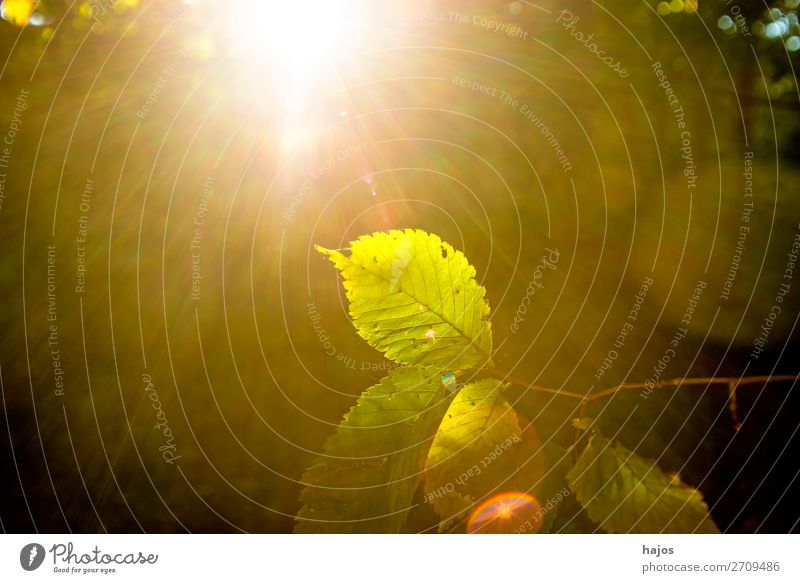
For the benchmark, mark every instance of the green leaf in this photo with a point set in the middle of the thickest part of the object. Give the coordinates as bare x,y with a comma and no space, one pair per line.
465,462
415,298
373,463
624,493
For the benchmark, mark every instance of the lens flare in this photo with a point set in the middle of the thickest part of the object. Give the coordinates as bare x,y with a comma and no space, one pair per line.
506,513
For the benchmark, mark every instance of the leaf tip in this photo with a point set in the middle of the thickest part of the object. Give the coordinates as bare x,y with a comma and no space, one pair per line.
333,254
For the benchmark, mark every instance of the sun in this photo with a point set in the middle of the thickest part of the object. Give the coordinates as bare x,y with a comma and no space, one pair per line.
296,36
299,47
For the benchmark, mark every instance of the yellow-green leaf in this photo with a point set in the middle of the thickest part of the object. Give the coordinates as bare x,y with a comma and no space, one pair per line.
365,481
624,493
415,298
464,462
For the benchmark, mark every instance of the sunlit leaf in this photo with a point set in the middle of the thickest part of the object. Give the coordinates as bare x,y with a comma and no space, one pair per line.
373,463
624,493
415,298
17,11
466,460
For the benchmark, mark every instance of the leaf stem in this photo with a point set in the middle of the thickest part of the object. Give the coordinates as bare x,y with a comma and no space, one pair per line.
504,376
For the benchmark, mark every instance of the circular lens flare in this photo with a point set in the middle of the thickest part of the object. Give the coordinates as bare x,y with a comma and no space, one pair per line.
506,513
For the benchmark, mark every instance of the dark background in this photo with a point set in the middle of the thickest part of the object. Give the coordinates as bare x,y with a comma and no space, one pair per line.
247,386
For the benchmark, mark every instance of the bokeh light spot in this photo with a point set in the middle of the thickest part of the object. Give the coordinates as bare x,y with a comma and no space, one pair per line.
773,30
506,513
725,22
16,11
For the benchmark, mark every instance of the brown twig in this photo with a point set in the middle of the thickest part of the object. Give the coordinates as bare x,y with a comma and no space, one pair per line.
733,406
732,383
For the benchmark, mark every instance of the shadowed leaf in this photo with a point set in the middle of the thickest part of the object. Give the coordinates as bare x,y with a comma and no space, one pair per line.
624,493
373,463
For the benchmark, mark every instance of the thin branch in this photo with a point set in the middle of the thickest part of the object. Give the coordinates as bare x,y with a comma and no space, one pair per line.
732,382
733,406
